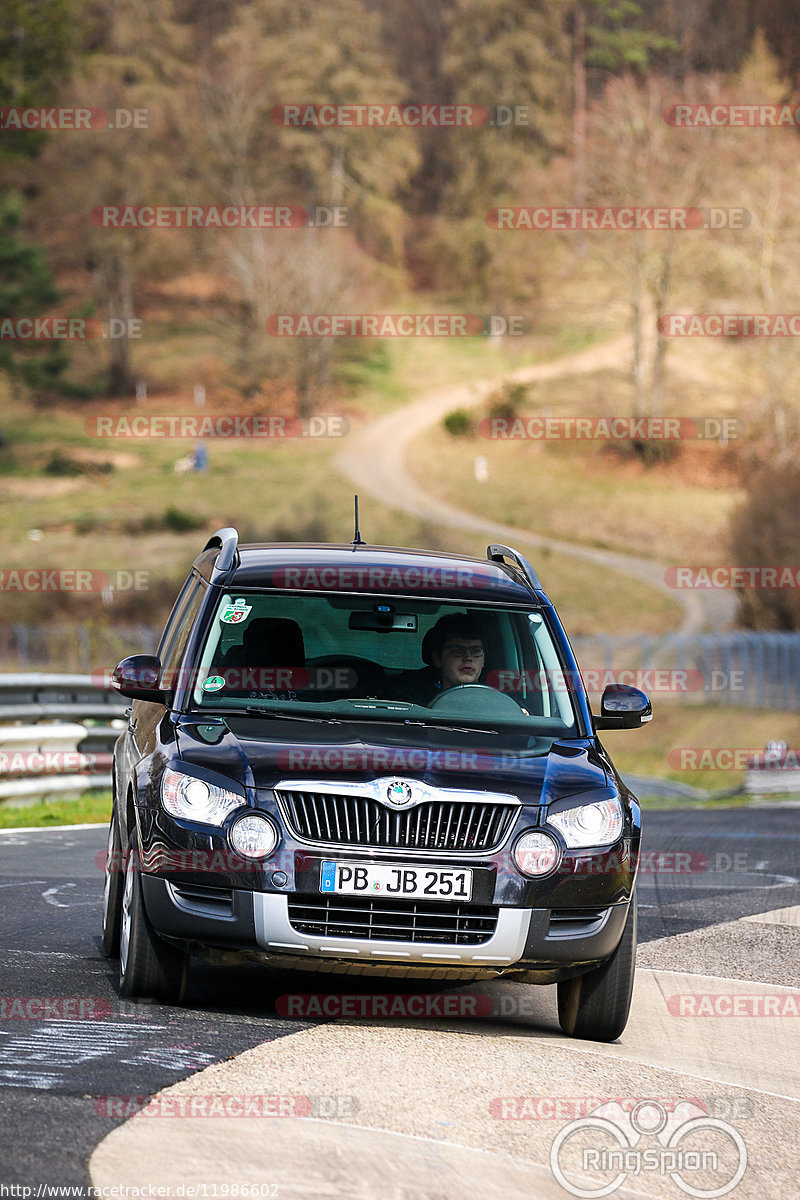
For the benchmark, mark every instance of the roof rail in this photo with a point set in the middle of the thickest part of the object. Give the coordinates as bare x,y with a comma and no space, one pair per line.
228,541
498,553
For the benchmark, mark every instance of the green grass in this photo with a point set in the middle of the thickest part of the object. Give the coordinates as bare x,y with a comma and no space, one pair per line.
89,809
589,491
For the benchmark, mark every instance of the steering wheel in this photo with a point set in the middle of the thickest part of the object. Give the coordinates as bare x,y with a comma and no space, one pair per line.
471,700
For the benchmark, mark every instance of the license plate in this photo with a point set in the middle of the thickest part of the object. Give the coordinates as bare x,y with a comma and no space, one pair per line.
383,879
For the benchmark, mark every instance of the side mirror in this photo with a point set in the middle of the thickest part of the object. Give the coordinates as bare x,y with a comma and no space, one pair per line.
138,677
623,707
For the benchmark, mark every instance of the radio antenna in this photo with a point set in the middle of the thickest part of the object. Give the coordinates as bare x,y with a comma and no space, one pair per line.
357,540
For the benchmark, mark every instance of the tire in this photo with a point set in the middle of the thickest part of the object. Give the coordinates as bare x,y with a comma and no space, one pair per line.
113,885
596,1005
148,966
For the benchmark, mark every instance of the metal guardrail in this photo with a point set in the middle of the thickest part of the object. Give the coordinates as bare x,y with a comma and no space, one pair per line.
743,668
56,750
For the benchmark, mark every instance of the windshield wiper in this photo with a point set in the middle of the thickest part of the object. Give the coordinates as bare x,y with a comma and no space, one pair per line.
426,724
252,710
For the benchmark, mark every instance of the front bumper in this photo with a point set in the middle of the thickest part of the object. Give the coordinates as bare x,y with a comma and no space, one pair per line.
537,944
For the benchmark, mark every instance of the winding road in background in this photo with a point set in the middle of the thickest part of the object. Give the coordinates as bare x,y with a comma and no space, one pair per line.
374,460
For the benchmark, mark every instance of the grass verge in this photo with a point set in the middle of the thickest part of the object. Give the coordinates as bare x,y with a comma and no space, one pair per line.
92,808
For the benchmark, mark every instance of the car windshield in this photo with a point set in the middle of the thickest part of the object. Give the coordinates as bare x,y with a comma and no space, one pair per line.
372,659
369,658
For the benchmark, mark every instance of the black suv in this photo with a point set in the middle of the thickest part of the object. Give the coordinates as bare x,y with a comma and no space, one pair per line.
368,760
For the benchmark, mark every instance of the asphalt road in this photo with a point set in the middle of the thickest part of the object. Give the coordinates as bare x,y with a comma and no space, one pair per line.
702,871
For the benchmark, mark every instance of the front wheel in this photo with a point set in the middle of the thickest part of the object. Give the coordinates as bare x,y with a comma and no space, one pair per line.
148,966
112,890
596,1005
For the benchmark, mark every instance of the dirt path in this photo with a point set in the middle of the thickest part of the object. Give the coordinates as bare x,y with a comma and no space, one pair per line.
374,461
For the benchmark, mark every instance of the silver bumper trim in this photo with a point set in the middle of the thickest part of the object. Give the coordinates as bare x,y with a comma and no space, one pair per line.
274,932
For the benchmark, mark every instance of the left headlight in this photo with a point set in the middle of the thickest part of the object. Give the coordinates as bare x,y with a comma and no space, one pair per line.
196,800
598,824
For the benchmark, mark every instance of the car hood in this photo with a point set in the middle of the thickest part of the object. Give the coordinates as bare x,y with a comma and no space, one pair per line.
259,753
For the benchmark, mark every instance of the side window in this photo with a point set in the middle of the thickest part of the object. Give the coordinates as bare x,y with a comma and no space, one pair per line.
168,636
180,626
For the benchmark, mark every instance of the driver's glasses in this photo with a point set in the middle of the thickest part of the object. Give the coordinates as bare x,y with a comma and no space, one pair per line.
465,651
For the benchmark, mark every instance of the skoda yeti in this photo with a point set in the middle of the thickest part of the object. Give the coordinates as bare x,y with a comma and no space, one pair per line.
374,761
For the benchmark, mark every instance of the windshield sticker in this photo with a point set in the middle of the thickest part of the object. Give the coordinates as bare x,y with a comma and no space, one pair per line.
213,683
234,614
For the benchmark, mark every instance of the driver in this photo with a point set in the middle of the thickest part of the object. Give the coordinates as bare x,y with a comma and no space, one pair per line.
454,653
457,650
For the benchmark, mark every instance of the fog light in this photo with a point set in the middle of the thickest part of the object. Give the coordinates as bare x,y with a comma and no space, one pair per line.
536,853
254,836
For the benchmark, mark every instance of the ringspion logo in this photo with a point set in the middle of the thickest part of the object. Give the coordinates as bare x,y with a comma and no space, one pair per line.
593,1155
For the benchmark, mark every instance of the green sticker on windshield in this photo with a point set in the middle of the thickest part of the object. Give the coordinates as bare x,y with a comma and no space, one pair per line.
234,614
213,683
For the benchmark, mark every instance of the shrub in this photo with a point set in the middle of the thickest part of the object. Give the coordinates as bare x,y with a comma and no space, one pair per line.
179,521
765,532
505,403
458,423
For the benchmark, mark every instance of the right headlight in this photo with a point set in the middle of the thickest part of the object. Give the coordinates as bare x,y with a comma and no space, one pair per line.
585,825
194,799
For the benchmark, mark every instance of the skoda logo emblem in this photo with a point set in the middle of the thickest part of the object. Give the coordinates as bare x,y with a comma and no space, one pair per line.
399,794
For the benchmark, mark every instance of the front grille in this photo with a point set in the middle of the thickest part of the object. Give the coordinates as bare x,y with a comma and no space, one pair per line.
216,902
393,920
572,922
345,820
